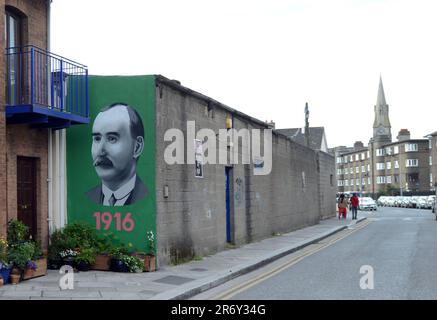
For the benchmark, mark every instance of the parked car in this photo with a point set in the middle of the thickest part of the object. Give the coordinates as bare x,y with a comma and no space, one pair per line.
422,202
382,200
367,203
431,202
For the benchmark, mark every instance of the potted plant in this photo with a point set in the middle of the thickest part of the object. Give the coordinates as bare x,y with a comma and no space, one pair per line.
150,258
117,264
30,269
5,267
20,254
15,276
85,258
134,264
68,257
103,256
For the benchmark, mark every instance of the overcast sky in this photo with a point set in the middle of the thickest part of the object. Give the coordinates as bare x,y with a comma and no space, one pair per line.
267,58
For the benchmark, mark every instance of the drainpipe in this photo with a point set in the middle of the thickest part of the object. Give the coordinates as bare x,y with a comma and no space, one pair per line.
62,179
50,142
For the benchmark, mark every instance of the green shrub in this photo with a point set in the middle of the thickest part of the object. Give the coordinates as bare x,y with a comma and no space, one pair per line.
87,255
133,263
21,254
17,232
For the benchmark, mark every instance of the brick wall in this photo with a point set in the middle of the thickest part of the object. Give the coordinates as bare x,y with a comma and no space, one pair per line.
21,140
192,220
3,191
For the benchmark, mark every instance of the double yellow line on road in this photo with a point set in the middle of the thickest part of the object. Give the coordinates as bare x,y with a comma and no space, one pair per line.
301,254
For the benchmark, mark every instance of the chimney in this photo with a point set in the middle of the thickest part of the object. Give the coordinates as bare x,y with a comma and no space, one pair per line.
358,145
404,135
271,124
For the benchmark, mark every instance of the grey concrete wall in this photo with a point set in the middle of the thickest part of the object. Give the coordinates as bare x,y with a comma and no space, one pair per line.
327,184
192,220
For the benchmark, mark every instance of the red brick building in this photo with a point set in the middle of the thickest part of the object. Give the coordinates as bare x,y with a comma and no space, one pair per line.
36,108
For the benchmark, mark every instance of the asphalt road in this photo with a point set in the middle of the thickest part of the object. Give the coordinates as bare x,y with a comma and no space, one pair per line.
399,244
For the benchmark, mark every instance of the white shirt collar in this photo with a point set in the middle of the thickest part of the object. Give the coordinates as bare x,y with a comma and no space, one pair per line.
121,194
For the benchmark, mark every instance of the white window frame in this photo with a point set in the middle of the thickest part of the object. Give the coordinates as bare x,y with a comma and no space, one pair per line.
395,149
380,166
388,165
396,164
380,152
410,163
411,147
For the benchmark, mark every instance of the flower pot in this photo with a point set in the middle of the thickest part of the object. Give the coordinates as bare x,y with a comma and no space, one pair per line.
83,266
28,273
68,261
149,263
102,263
4,273
118,266
15,278
1,282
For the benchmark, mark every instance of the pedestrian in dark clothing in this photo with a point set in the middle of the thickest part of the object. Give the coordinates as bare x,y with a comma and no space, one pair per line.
355,202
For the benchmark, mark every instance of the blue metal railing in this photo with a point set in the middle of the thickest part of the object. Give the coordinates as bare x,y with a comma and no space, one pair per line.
35,76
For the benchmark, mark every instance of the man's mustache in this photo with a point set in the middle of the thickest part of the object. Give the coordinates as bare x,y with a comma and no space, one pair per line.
102,161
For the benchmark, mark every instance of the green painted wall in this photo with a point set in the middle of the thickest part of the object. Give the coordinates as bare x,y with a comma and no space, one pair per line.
139,93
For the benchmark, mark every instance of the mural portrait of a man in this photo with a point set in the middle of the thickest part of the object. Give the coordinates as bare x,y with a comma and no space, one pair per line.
117,144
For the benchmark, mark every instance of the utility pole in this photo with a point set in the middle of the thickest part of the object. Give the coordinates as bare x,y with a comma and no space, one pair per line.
307,125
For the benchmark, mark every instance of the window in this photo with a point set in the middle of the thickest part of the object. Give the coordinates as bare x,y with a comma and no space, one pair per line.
352,182
380,152
411,147
358,182
369,181
351,170
380,166
368,154
388,179
430,160
339,172
363,169
388,150
430,143
368,168
388,165
346,183
351,159
357,157
340,183
363,156
412,163
396,164
338,160
430,178
363,181
395,149
380,180
357,169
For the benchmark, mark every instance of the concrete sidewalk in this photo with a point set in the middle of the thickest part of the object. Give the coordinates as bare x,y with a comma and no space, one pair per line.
174,282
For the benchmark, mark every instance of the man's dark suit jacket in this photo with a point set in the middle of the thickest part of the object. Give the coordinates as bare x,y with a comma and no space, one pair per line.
138,193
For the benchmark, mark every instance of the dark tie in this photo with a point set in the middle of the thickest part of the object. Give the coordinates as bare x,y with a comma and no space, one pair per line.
112,200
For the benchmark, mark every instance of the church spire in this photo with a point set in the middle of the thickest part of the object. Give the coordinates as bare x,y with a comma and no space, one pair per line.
380,101
381,125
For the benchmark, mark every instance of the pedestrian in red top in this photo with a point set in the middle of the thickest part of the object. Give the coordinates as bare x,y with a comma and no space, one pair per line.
355,202
342,207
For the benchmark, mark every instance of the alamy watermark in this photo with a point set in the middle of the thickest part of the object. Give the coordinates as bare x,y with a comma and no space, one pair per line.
367,281
252,141
67,280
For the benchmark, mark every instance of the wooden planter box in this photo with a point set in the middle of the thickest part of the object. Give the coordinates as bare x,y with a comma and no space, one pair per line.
149,263
40,271
102,263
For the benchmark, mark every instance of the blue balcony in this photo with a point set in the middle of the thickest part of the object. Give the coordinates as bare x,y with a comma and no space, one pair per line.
45,90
